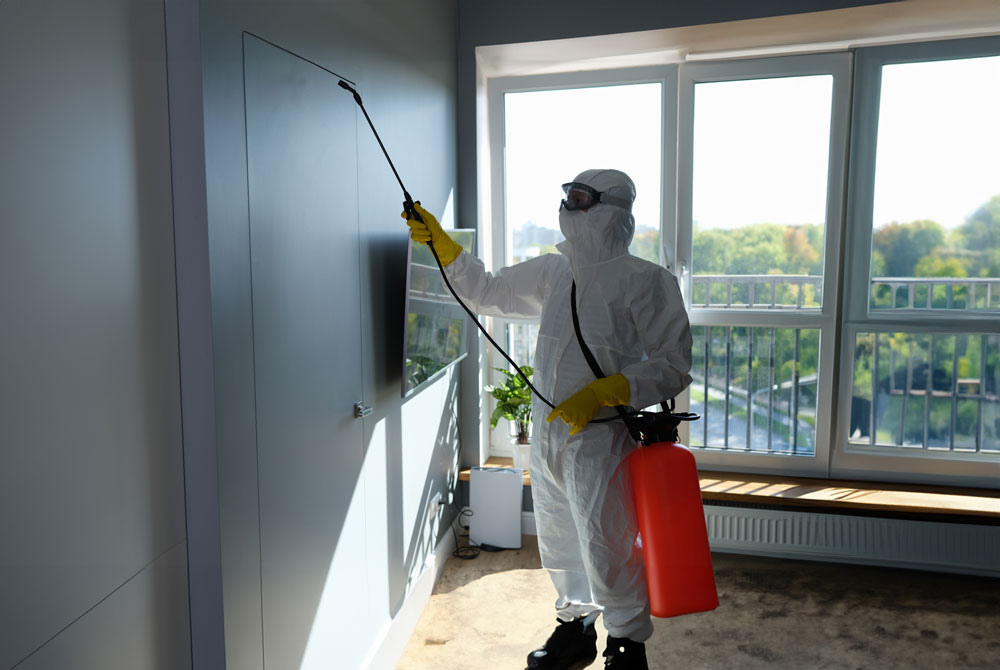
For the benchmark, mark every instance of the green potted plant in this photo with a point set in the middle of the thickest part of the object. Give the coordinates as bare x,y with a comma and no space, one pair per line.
514,404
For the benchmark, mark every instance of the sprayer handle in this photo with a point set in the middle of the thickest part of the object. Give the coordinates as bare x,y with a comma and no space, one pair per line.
411,211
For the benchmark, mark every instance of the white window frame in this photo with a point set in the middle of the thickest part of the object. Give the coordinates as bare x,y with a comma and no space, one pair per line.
852,460
496,89
823,319
844,312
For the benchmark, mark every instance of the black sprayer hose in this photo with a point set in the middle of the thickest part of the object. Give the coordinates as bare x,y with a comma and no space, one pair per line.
622,413
475,320
411,212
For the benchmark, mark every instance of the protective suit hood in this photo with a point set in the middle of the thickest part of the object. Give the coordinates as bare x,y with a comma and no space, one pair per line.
604,231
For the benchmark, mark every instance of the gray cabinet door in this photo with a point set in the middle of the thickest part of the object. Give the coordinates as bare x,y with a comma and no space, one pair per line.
304,242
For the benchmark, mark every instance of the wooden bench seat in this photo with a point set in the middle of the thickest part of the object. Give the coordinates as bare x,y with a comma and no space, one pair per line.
940,503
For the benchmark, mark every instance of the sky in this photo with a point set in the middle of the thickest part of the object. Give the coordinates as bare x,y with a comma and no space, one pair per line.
762,146
552,136
939,140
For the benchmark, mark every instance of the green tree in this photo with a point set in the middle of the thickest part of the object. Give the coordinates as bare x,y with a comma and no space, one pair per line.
646,245
980,235
713,251
878,263
760,249
902,245
803,247
938,264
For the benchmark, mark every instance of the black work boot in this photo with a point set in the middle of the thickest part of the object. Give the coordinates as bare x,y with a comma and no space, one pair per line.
624,654
572,646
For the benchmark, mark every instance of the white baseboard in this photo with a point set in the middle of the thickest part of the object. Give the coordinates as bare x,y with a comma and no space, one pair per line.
899,543
397,632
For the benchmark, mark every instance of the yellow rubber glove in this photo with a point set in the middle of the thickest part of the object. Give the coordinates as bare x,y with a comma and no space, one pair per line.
581,407
430,231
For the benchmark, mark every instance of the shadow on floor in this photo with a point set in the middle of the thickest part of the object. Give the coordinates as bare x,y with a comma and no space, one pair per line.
773,613
461,572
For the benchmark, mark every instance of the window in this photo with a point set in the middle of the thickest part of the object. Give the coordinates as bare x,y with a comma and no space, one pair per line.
846,322
553,128
758,230
920,354
936,198
931,392
552,135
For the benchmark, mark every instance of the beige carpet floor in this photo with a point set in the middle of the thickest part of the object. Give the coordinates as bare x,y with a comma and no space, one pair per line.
489,612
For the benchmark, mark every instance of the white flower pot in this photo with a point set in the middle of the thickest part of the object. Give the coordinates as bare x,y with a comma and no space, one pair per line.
522,454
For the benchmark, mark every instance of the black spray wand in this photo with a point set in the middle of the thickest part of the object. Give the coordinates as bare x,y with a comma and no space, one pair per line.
411,212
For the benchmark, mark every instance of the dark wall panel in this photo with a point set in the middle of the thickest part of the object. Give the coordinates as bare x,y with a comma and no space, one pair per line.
143,624
91,482
402,57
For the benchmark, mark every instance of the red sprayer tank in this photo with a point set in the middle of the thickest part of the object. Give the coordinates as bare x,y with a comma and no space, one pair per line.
672,527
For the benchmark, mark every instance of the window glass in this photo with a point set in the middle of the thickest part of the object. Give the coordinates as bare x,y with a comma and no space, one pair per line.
936,214
552,136
924,391
755,389
761,150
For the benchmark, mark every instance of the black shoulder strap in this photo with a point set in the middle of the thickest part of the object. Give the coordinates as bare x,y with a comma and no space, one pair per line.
591,361
633,428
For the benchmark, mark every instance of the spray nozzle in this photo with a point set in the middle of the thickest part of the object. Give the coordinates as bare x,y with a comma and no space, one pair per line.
347,87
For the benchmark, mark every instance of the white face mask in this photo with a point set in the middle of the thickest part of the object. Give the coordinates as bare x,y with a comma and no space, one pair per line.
570,223
597,234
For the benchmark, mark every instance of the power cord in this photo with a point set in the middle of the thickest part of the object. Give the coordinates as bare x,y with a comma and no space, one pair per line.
470,550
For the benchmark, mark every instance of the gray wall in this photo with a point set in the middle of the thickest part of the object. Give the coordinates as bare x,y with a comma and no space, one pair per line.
402,58
490,23
92,563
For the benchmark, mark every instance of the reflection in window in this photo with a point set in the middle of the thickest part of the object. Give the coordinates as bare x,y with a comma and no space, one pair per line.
435,324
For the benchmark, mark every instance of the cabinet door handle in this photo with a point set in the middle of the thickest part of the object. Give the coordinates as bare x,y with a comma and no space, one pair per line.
361,410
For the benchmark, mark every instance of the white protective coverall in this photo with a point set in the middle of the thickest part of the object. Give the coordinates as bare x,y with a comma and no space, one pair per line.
633,319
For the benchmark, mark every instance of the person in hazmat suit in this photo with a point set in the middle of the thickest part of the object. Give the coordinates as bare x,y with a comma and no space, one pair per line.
633,319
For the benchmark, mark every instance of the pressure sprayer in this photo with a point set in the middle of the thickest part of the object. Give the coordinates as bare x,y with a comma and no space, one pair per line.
665,484
672,530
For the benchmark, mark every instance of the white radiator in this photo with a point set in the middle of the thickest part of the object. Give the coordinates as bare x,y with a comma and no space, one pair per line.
926,545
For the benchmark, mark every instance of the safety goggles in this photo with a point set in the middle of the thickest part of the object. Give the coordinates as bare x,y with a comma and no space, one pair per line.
581,196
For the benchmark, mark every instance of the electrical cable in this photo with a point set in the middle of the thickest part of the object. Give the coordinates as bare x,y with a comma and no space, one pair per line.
469,551
472,549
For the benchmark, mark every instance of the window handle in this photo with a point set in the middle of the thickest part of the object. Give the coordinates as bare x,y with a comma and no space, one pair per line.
361,411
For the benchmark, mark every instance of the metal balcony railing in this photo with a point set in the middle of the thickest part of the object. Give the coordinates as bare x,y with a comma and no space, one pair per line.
967,293
741,411
757,291
934,392
747,404
784,291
